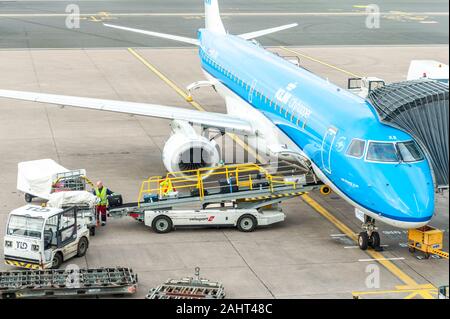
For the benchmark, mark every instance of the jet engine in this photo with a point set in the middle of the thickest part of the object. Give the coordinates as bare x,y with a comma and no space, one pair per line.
187,150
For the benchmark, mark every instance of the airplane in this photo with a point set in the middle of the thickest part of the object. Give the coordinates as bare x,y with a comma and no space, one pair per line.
380,170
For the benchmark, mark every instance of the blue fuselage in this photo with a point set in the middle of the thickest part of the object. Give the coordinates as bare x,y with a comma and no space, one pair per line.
322,120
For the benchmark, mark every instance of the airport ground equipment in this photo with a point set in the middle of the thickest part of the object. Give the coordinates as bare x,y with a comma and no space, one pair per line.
74,282
43,177
428,240
188,288
243,195
44,237
84,201
421,108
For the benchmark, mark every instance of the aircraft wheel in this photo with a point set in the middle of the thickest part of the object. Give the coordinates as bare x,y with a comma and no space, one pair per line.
363,240
375,240
162,224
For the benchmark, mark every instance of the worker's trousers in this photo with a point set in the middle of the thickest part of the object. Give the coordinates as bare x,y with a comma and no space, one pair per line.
101,213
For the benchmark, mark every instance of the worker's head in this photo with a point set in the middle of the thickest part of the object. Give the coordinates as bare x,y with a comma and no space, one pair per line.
99,184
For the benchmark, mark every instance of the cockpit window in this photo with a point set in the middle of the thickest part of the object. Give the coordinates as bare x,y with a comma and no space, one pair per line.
409,151
356,148
382,152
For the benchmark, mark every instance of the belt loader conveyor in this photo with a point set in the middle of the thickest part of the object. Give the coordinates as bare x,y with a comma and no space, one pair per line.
67,283
244,196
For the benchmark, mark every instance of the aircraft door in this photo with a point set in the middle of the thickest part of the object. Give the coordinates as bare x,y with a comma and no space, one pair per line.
327,146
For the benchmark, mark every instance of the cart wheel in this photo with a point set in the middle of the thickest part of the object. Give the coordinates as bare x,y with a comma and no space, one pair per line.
28,198
411,249
57,261
162,224
247,223
83,245
375,240
363,240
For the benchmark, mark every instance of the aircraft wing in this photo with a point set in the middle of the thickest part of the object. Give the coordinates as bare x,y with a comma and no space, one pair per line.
260,33
210,119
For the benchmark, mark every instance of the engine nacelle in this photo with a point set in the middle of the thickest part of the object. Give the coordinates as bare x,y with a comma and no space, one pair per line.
186,150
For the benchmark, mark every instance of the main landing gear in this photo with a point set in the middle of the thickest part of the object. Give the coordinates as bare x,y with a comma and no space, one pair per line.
369,237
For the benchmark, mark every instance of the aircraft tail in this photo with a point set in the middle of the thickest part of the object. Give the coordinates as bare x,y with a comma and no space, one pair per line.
213,22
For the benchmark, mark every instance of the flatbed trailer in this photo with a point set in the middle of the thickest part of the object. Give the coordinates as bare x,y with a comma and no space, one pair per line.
24,284
188,288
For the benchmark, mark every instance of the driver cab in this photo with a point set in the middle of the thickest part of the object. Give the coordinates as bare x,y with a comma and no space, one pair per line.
60,230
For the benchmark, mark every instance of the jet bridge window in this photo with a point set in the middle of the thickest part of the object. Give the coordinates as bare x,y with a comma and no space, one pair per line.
356,148
409,151
382,152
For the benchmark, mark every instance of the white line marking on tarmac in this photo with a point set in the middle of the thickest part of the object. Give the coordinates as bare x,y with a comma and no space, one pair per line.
351,247
381,259
428,22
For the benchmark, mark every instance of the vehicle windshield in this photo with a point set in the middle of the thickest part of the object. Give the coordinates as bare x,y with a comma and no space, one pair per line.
25,226
382,152
410,151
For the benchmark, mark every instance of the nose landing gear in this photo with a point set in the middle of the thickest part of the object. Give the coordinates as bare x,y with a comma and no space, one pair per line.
369,237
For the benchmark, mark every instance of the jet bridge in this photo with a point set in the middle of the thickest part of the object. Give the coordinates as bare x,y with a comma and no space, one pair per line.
419,107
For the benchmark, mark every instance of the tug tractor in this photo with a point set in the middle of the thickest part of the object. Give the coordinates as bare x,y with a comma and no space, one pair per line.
43,237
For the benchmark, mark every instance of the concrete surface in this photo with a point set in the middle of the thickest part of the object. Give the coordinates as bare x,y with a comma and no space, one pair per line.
42,24
296,259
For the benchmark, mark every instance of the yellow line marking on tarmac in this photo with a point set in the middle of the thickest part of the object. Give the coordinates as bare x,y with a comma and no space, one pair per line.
410,282
321,62
425,291
188,99
321,210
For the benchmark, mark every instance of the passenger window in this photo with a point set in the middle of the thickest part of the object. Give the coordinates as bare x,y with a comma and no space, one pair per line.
382,152
356,148
410,151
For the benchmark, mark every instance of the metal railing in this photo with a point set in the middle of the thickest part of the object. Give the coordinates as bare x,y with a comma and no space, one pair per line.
205,179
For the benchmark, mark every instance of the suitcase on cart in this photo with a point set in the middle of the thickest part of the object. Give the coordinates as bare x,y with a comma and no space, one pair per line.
115,200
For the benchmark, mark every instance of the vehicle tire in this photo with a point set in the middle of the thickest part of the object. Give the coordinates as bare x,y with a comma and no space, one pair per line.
247,223
83,246
411,249
375,240
92,231
363,240
28,198
57,261
162,224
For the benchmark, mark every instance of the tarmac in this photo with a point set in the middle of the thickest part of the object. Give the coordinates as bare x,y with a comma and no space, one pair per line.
307,256
42,24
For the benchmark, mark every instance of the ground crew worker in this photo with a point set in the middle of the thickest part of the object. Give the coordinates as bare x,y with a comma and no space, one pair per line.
166,187
102,194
